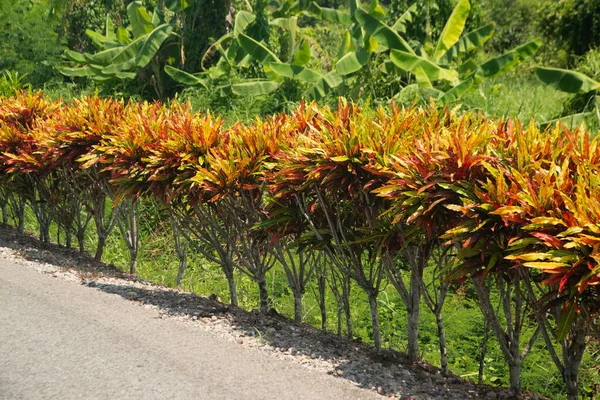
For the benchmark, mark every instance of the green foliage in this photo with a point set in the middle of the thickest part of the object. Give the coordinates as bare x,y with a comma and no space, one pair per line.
573,24
29,42
124,56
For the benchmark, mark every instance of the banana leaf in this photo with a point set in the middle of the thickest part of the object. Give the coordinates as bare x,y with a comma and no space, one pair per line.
468,42
257,50
324,85
152,44
103,57
295,72
130,51
405,19
254,88
567,81
329,14
507,60
411,62
242,20
79,72
184,77
302,55
453,29
139,19
352,62
386,36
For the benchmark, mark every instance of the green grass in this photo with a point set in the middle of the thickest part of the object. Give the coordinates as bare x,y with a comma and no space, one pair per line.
517,94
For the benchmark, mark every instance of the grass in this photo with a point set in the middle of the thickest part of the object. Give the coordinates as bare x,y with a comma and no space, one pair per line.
517,93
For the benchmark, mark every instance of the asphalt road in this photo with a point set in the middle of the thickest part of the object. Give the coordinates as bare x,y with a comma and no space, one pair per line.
59,340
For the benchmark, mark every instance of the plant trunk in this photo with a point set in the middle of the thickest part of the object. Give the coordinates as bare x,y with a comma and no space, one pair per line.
21,221
346,303
321,283
413,334
180,271
263,294
68,239
100,248
4,213
442,340
133,263
340,317
232,289
44,231
486,333
414,311
297,306
572,355
375,319
514,370
571,383
81,240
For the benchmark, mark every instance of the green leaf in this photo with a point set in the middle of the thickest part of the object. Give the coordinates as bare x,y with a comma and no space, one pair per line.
456,92
110,29
130,51
126,75
453,29
184,77
152,44
405,19
376,10
502,63
242,20
411,63
566,320
255,88
257,50
123,36
103,57
141,23
302,56
347,45
567,81
328,14
178,5
386,36
324,85
75,56
98,39
84,71
114,69
295,72
469,42
352,62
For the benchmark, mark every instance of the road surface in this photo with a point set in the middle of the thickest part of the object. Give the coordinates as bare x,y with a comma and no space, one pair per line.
59,340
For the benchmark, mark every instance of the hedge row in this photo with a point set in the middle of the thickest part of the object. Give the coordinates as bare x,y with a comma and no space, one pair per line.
353,196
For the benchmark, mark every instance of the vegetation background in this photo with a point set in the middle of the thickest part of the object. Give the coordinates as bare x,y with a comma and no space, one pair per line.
35,35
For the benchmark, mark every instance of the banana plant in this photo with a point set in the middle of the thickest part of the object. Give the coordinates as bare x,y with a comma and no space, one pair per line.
576,83
238,49
445,69
125,52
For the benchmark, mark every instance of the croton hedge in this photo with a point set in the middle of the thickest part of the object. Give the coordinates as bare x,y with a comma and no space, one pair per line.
374,192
